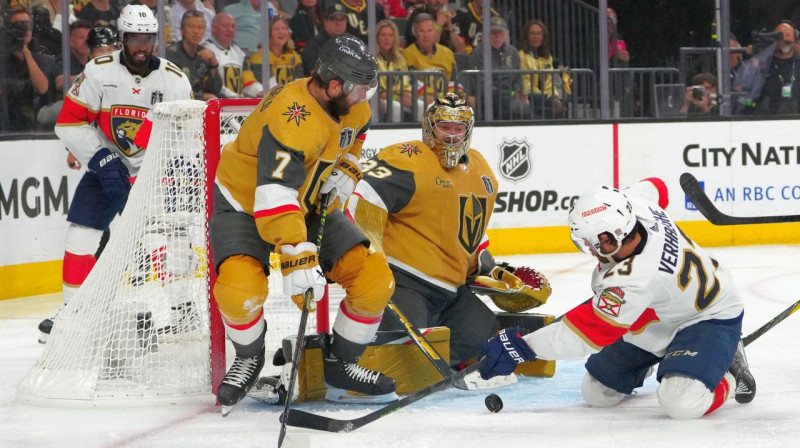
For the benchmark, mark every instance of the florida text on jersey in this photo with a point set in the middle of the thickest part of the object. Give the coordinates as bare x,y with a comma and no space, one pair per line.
107,104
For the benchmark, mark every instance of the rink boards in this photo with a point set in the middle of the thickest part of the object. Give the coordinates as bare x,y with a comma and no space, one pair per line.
747,168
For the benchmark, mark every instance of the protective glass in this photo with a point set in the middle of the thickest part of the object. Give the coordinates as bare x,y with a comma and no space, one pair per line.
358,93
22,25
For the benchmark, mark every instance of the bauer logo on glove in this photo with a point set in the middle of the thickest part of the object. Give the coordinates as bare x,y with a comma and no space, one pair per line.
513,290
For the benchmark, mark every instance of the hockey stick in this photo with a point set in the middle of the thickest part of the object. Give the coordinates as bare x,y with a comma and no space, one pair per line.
769,325
308,420
703,203
419,339
300,342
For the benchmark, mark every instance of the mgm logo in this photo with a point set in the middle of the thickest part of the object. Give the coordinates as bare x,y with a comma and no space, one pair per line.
515,159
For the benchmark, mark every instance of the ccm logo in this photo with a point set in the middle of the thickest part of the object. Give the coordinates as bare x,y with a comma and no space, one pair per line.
681,353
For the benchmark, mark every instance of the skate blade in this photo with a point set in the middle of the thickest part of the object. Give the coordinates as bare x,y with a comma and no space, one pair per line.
226,410
337,395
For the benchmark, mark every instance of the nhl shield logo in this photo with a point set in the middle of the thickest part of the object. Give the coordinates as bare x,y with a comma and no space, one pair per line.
125,123
515,159
346,137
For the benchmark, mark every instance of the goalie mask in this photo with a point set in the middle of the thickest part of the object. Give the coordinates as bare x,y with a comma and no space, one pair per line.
450,146
605,211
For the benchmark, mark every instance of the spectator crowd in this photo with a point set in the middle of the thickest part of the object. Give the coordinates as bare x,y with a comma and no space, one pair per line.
422,47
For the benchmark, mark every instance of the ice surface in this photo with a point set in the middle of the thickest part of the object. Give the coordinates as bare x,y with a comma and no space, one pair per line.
538,412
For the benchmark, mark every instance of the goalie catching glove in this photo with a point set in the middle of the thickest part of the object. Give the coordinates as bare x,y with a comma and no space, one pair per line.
513,290
342,181
301,271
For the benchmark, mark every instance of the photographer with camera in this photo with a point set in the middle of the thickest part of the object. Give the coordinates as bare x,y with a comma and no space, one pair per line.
22,72
701,96
781,92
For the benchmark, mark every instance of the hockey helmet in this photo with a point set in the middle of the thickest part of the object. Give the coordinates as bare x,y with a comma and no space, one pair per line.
347,58
137,19
101,36
606,210
448,108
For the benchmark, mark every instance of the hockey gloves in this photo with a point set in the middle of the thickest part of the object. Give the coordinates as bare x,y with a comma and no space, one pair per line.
504,353
342,181
301,271
113,177
112,172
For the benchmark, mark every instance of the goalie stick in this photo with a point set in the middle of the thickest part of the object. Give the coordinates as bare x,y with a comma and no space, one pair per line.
769,325
301,331
421,342
703,203
303,419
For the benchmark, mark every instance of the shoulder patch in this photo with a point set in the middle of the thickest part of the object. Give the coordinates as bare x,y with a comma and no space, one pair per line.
610,301
297,112
409,149
487,184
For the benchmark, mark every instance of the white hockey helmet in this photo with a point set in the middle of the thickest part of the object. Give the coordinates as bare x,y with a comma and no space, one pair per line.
606,210
136,19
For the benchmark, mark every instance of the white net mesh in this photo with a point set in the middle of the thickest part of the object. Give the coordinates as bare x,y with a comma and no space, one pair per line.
140,324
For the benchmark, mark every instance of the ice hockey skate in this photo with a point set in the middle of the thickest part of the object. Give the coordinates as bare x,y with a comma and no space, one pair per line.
347,382
745,382
240,378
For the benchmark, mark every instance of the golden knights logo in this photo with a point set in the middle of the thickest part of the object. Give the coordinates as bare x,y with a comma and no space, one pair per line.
232,77
515,159
472,222
409,149
125,123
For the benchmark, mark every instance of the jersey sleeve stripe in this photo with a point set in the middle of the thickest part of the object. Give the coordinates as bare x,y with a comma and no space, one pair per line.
274,199
365,191
593,329
663,192
648,317
75,112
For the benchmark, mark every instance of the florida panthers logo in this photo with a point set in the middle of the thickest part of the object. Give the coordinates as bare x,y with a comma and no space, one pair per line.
125,123
472,222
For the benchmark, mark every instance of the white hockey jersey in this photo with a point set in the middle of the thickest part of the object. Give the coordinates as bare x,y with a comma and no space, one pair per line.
668,284
236,80
107,104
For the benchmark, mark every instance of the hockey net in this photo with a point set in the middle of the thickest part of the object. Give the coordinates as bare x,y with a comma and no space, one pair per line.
144,324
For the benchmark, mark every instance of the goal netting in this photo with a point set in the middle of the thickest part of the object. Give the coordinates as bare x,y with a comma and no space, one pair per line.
144,323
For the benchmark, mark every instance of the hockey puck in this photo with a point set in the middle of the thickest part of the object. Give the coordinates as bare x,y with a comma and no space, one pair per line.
493,403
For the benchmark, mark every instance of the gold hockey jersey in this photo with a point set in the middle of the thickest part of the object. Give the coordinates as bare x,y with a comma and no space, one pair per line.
433,219
285,150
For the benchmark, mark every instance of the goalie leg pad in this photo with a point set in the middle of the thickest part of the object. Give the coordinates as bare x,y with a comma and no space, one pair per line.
241,289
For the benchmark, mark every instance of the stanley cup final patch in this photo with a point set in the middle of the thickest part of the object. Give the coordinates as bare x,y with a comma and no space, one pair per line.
515,159
610,301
